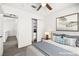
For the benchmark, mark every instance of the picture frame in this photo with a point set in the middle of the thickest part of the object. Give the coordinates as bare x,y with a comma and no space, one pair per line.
68,22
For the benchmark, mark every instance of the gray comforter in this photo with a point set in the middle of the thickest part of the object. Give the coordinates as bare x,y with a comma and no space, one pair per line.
52,50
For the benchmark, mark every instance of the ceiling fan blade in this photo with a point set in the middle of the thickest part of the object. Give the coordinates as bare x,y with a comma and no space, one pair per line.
39,8
48,6
34,6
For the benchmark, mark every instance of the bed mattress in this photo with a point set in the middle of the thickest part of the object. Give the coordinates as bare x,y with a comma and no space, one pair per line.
52,50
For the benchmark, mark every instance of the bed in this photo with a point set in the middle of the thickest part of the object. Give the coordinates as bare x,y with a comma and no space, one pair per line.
50,48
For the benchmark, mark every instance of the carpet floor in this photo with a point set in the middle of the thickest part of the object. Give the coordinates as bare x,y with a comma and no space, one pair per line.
11,48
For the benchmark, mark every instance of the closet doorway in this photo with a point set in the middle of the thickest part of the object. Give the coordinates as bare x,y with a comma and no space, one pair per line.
34,30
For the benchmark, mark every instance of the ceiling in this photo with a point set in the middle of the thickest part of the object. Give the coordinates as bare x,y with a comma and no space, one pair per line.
43,11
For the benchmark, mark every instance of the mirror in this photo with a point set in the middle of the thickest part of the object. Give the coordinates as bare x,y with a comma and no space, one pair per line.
67,23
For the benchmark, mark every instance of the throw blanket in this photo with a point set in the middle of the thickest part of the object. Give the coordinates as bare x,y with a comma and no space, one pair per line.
52,50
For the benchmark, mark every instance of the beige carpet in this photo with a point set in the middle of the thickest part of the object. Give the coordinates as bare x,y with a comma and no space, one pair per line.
11,48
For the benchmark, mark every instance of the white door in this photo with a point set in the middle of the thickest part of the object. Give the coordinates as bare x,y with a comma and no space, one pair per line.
39,30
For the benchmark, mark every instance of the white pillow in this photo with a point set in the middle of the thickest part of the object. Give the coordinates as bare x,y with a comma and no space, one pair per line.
54,38
70,41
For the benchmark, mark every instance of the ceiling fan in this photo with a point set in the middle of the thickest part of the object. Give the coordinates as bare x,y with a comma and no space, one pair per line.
42,5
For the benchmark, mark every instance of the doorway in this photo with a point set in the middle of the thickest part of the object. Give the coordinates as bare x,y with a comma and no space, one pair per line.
34,30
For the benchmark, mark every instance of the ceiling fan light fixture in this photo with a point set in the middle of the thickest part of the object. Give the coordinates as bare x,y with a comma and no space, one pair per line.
43,4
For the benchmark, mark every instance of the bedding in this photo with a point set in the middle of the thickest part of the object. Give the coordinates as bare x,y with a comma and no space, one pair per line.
59,39
52,50
70,41
66,47
32,51
66,39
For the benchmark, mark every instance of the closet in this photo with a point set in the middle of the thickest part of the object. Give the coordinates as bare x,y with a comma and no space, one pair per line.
37,30
34,30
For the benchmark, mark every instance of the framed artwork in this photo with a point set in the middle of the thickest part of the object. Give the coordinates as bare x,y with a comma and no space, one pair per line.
68,22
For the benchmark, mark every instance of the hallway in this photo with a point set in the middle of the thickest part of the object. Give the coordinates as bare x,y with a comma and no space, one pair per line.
11,48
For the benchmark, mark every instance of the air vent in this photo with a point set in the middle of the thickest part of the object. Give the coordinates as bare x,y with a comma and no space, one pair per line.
10,15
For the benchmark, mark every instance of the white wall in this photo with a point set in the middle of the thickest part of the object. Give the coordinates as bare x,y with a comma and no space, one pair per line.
10,26
51,18
1,47
24,24
1,34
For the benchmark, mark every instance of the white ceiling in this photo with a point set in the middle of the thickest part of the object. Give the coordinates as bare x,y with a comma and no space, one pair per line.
43,11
